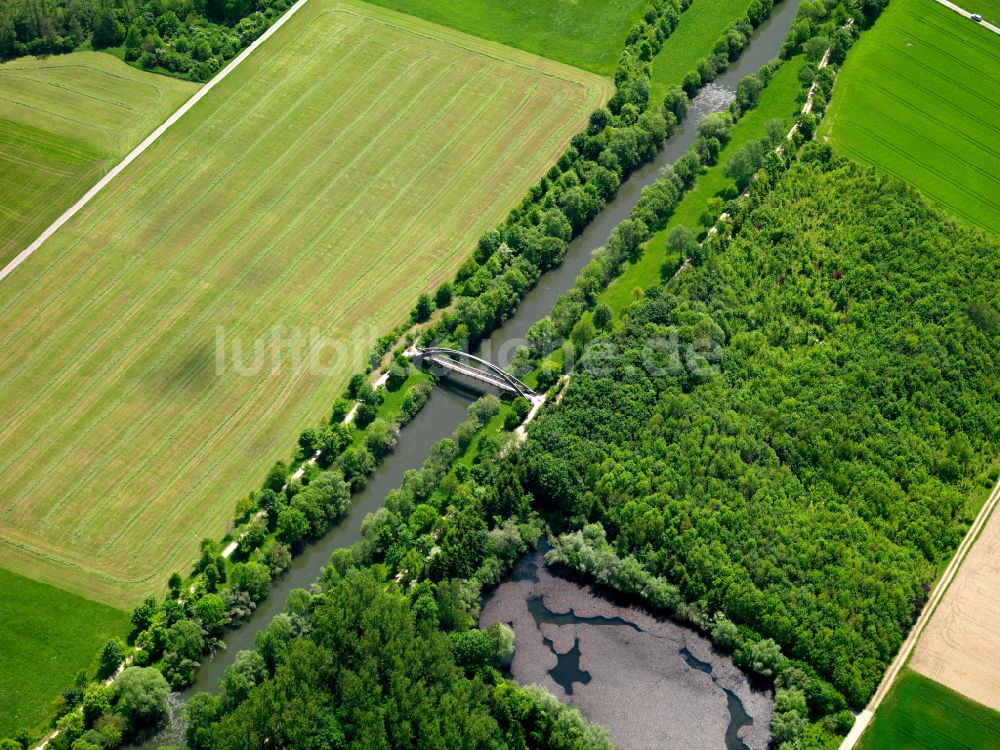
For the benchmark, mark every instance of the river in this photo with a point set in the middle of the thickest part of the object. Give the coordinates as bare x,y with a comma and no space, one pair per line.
447,405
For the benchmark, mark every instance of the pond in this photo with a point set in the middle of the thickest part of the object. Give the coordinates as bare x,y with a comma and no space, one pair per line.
650,682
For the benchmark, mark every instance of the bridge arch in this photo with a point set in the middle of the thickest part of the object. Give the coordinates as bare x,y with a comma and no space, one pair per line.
516,385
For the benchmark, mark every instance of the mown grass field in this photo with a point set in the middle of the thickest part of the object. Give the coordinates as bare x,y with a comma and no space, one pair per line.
920,714
48,635
348,165
589,34
918,97
779,100
64,121
699,28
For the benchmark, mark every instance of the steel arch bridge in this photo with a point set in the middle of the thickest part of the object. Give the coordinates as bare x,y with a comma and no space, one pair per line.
455,361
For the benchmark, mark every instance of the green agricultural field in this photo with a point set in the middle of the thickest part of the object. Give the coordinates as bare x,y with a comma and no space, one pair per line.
988,9
589,34
295,214
918,97
920,714
48,636
780,99
64,122
700,27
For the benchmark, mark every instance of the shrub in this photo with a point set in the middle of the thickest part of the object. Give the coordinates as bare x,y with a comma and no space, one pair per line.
251,577
143,613
339,410
442,297
413,400
96,702
211,610
765,657
276,477
365,414
112,655
518,411
724,632
382,437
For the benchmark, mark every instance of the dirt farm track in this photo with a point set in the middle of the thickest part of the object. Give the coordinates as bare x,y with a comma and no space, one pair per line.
964,630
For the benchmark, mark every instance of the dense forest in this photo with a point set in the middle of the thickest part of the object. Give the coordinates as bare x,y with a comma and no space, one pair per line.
790,432
373,669
186,38
777,447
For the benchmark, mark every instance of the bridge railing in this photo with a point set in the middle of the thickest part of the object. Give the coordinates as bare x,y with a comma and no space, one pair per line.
512,383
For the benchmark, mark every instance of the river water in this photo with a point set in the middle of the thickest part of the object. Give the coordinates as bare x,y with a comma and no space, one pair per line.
447,405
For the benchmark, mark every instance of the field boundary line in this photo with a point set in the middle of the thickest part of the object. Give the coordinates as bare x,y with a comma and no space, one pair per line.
943,584
147,142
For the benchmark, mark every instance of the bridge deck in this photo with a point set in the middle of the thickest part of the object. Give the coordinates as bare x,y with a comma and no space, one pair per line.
471,372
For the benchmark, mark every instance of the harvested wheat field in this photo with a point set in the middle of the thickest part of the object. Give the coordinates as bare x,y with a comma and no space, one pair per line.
348,165
64,121
958,648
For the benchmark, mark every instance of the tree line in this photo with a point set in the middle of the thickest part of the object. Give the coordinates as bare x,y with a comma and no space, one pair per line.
189,39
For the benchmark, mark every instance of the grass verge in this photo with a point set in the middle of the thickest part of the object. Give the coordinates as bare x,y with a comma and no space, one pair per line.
696,33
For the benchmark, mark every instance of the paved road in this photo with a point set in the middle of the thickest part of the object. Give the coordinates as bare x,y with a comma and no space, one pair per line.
865,717
963,12
150,140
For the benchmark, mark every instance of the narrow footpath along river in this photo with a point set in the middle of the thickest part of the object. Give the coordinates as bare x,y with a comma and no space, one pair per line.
448,403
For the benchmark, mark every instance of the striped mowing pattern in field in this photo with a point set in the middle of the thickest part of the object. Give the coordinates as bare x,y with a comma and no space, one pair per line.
348,165
919,97
64,121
